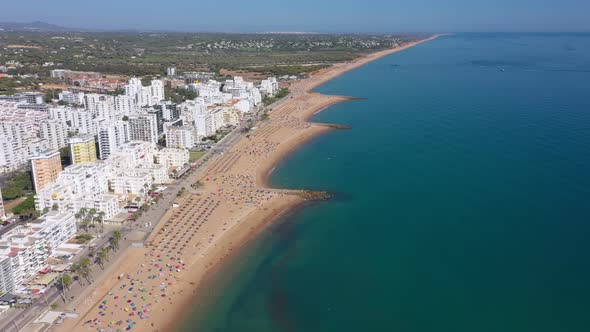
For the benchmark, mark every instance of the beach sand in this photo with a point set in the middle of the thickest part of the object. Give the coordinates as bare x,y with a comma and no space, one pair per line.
152,288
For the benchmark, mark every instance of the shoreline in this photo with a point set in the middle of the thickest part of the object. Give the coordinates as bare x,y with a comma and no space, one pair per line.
235,205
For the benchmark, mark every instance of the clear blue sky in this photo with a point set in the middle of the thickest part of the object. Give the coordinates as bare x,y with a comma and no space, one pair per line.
307,15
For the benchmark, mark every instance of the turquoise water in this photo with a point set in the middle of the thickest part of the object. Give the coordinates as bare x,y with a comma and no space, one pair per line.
462,200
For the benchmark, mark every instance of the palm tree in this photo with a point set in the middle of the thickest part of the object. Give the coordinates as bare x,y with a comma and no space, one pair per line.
92,217
86,269
85,223
115,239
107,251
64,283
101,257
77,270
101,215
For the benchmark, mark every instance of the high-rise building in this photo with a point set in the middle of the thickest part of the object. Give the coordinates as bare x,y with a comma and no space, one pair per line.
11,157
171,71
157,91
111,137
144,127
159,113
145,95
7,283
170,111
55,132
45,167
82,149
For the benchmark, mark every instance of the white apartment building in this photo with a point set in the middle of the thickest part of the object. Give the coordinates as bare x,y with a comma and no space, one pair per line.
131,181
111,136
269,86
21,130
242,105
180,137
190,108
37,146
75,184
55,132
92,100
144,127
125,105
27,253
24,250
106,110
55,227
231,116
133,171
7,282
157,91
145,95
26,98
72,97
77,119
107,203
11,157
172,158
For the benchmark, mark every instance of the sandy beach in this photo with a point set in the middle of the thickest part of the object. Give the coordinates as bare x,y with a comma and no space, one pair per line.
151,288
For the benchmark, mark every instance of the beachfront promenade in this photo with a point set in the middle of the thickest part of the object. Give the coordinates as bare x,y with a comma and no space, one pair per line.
150,288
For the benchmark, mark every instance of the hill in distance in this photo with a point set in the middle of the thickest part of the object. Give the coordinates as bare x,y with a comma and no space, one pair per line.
33,26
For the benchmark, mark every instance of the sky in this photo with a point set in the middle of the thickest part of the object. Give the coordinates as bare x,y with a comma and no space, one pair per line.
307,15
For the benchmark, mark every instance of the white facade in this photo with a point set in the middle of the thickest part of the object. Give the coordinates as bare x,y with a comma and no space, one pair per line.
55,227
269,86
180,137
55,132
111,136
126,105
172,158
143,127
7,282
24,250
145,95
72,97
11,157
74,185
27,252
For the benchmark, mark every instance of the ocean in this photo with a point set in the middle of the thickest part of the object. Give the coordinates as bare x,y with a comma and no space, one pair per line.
462,200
